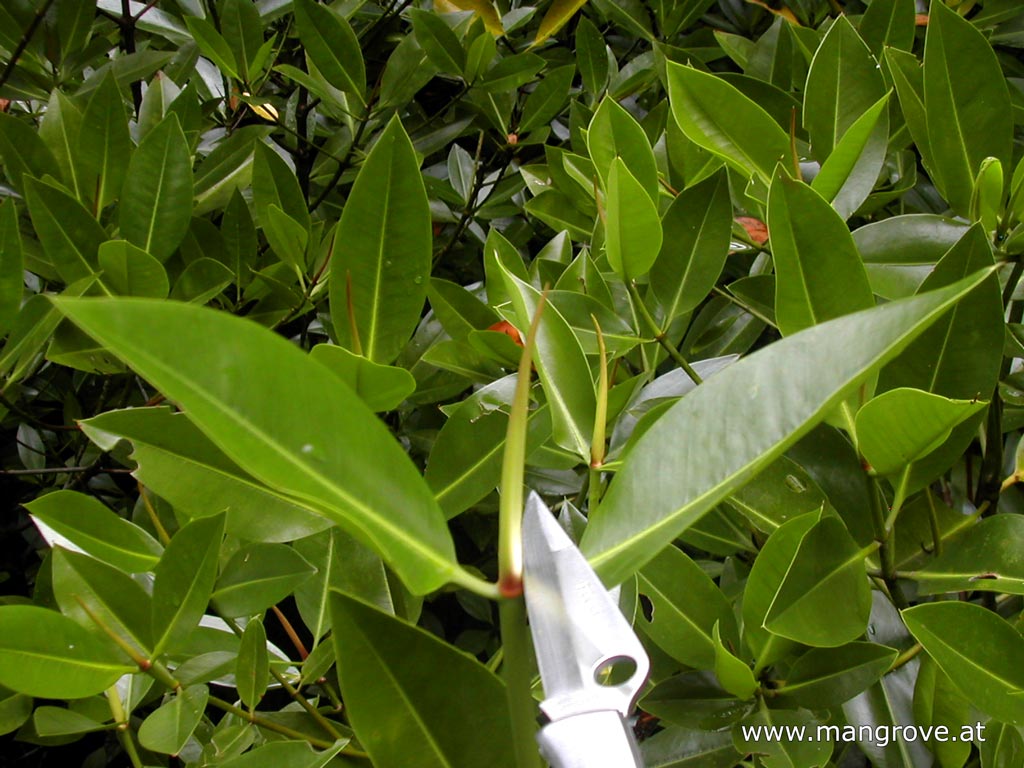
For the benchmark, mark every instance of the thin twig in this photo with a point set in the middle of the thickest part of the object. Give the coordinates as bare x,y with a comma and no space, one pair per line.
26,38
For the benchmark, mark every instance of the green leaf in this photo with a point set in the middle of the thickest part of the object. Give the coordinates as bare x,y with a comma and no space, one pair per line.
938,703
903,425
286,754
888,24
12,278
696,227
967,104
978,650
827,563
169,728
819,275
803,377
200,281
563,368
465,462
181,465
385,228
45,654
86,588
258,576
678,747
389,673
213,45
275,183
70,236
156,202
827,677
734,675
781,753
633,229
87,524
242,28
849,174
684,607
342,564
332,46
716,116
23,152
183,581
130,271
558,212
286,236
459,310
321,445
58,721
613,133
546,101
780,492
843,83
556,17
591,56
226,169
104,143
60,129
987,558
381,387
252,672
438,41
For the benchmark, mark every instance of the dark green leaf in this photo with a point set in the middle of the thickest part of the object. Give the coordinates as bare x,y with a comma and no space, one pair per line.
889,24
274,183
826,677
12,278
212,44
547,99
23,152
258,576
332,46
987,558
438,41
253,670
70,236
168,728
130,271
632,228
104,143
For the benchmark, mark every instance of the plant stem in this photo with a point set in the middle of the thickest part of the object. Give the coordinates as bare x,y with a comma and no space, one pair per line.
122,723
270,725
887,553
905,657
26,38
659,335
517,674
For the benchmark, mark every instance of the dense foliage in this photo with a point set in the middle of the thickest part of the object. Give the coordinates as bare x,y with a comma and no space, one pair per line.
266,270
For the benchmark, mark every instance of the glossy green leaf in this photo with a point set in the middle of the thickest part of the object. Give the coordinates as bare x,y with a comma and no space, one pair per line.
389,674
696,229
274,183
332,46
60,130
614,133
87,524
826,677
169,728
632,226
252,672
888,24
438,41
465,462
734,675
849,174
130,271
1003,746
58,721
902,425
23,152
385,229
978,650
803,377
684,607
780,492
939,704
70,236
827,563
558,212
819,275
381,387
258,576
560,362
46,654
104,143
242,28
89,590
987,196
458,309
591,56
183,581
693,700
286,236
156,202
178,462
295,445
967,104
678,747
716,116
342,564
227,168
212,44
12,278
988,557
32,329
200,281
556,17
844,82
782,753
546,101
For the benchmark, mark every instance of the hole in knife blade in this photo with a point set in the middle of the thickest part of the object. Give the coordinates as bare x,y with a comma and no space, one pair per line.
615,670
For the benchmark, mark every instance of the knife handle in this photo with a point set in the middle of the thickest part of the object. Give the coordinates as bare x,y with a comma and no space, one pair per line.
599,739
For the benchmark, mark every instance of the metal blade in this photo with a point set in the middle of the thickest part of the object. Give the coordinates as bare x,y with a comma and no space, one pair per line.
578,629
